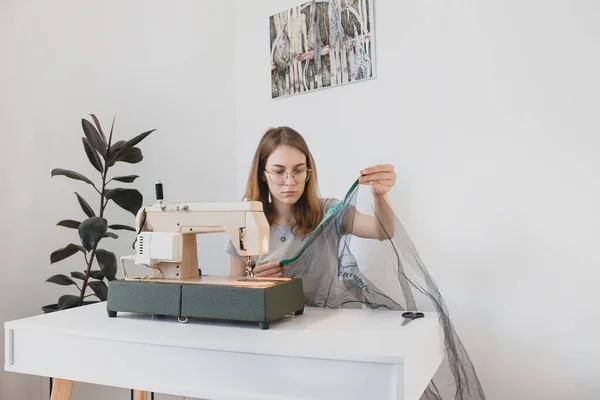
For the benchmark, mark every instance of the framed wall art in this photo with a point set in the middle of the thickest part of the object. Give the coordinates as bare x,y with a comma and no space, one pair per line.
321,44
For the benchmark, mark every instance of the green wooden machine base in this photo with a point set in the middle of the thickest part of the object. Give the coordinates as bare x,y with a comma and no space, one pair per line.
208,300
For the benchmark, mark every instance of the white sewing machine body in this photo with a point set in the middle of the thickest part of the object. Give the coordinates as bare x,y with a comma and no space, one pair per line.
167,234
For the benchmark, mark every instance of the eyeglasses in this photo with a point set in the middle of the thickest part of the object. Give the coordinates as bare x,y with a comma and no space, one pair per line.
279,177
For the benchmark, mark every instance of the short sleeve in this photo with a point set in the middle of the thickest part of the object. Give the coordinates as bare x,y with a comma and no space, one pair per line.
328,204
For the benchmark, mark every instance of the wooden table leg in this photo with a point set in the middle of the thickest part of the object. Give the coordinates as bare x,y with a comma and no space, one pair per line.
61,389
139,395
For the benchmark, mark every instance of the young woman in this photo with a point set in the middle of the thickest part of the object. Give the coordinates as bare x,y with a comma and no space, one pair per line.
283,176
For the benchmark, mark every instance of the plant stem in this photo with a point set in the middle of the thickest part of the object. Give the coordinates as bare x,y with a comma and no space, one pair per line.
102,202
93,253
87,274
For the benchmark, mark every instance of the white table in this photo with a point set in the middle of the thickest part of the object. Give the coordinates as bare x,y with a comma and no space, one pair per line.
322,354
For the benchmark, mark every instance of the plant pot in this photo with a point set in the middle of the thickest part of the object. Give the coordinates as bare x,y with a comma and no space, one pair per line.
54,307
50,308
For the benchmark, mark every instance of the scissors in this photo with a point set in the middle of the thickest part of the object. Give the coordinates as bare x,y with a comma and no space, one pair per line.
409,316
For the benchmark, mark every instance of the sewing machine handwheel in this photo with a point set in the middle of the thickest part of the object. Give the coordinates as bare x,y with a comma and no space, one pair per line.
263,325
299,312
112,314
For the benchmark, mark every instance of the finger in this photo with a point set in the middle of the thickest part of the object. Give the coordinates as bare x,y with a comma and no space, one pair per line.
378,173
377,177
380,189
263,275
268,272
380,185
266,266
385,182
377,168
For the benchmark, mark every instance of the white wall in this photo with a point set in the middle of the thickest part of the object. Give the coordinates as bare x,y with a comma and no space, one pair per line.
153,64
490,114
487,111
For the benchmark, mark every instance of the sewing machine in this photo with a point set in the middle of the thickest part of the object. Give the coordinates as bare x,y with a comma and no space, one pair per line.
166,243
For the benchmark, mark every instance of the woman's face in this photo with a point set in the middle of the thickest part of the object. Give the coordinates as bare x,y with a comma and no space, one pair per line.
286,173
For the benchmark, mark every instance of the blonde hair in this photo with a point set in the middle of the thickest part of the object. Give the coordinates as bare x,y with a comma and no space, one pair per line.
308,210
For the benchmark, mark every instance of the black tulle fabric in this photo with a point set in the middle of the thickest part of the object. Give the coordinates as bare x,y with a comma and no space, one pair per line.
341,270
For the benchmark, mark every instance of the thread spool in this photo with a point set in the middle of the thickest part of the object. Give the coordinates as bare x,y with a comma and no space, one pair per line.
159,191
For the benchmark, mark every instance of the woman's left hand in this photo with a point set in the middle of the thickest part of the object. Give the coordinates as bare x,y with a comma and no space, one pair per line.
381,178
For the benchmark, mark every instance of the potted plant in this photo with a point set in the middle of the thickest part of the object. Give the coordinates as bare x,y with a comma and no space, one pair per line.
103,154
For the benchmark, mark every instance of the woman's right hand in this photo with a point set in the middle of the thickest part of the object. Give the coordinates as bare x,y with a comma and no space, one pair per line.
271,269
